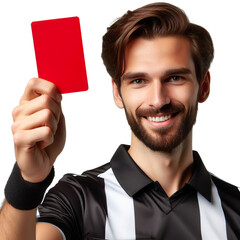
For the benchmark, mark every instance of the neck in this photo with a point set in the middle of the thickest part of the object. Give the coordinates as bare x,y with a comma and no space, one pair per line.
171,169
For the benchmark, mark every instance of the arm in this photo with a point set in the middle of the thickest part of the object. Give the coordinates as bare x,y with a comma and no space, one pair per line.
19,224
39,136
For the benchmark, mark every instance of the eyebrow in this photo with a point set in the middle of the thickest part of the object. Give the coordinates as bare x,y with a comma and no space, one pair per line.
178,71
135,75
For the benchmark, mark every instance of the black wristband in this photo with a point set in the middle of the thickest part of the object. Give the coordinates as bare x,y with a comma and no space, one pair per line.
25,195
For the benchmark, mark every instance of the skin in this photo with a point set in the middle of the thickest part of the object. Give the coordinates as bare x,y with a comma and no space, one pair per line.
39,137
146,83
39,128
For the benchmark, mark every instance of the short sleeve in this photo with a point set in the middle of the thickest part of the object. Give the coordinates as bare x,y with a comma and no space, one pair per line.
63,207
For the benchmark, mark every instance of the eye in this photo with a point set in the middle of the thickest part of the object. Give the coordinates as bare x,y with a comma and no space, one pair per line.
138,81
175,78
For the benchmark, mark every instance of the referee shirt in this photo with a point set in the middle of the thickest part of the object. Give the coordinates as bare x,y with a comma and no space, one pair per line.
118,201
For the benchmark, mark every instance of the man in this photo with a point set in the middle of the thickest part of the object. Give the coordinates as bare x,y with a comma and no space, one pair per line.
157,188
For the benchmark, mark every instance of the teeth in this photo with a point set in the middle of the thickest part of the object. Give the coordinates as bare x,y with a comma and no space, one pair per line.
159,119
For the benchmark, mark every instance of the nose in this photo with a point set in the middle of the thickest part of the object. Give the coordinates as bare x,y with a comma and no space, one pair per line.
158,95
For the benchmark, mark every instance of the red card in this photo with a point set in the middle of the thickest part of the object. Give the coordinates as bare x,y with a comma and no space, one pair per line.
59,53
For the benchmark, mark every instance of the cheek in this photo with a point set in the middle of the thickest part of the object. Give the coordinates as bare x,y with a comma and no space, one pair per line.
132,100
187,95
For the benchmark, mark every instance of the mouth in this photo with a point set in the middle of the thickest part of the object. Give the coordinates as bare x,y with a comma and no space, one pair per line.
159,119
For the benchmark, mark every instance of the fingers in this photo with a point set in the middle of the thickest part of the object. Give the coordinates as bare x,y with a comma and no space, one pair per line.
35,105
39,119
38,128
28,138
37,87
37,116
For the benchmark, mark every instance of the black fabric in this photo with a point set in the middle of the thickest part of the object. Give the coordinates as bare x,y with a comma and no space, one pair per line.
24,195
123,167
165,220
231,207
78,205
201,178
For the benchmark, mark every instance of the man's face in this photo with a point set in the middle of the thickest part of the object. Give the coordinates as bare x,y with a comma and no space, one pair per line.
159,91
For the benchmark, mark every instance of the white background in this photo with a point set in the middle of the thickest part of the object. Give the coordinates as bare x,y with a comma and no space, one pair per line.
95,126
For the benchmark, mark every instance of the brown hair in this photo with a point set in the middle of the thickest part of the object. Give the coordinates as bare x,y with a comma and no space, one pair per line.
150,21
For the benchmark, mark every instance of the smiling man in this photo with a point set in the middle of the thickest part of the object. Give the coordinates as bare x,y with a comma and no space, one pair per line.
156,188
159,92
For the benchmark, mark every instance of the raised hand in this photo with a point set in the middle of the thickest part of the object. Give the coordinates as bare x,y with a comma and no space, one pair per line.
38,129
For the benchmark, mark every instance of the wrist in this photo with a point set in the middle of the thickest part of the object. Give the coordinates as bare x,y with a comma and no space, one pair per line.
25,195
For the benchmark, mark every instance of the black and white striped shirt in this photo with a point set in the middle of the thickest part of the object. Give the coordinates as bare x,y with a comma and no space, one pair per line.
118,201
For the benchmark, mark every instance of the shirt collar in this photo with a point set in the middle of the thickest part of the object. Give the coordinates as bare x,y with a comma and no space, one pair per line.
201,178
133,179
129,175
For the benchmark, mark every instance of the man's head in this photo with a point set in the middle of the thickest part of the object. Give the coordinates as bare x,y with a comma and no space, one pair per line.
151,21
159,64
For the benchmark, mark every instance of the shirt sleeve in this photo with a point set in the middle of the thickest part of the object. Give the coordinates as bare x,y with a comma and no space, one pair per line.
63,207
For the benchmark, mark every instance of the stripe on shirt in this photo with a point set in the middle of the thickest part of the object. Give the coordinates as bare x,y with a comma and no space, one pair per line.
212,219
119,208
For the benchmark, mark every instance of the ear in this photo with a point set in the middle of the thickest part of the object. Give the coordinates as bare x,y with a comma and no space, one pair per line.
204,89
116,95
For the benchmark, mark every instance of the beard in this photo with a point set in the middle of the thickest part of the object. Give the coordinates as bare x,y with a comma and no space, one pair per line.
164,139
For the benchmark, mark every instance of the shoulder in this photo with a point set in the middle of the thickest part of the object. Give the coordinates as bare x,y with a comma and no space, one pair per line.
76,191
87,176
229,193
226,187
69,204
87,179
230,202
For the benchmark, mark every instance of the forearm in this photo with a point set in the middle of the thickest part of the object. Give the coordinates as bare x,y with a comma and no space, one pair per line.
17,224
39,136
18,214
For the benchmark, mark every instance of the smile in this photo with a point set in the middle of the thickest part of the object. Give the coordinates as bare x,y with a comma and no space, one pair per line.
159,119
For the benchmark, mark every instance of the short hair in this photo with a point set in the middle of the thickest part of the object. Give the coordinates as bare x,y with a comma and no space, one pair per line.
151,21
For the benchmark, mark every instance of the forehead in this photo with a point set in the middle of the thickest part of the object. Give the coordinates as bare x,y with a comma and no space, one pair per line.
160,53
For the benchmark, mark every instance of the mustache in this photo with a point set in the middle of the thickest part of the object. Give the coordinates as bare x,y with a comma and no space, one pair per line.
170,108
